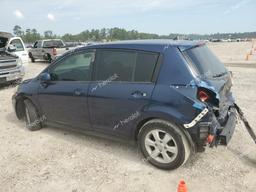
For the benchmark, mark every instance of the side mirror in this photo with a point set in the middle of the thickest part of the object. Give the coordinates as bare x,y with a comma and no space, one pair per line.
11,48
45,77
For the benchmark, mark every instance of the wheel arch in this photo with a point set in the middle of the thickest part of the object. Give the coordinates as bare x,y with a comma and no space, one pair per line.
47,56
165,120
20,106
30,54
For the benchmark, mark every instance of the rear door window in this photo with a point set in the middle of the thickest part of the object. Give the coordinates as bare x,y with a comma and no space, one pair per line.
145,66
39,44
125,65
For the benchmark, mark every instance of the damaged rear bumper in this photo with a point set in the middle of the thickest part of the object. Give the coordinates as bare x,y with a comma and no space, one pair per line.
227,132
222,133
209,126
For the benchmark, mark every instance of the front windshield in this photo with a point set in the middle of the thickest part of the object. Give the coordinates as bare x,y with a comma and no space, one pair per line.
205,62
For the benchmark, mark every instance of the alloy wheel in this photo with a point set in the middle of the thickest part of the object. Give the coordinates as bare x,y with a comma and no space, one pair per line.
161,146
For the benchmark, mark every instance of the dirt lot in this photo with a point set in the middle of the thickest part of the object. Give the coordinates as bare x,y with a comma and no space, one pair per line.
58,160
233,52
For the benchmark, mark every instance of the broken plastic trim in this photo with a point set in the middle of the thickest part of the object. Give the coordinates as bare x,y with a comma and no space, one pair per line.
198,118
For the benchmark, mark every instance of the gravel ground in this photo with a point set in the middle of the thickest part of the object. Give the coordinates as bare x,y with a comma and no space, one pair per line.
233,52
58,160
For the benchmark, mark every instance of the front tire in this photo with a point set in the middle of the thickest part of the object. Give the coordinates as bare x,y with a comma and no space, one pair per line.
33,121
163,144
31,58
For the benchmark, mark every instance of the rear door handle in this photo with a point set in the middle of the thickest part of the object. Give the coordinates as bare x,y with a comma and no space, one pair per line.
77,92
138,94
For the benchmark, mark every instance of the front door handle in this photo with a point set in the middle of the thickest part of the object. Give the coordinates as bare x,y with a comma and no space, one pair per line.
138,94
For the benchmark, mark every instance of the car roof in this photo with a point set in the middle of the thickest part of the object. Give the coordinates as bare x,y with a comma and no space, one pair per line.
147,45
51,40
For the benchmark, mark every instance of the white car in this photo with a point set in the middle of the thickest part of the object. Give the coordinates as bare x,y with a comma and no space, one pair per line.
13,55
20,49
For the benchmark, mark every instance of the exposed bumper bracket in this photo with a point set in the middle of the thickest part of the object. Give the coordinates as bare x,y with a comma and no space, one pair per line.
225,136
198,118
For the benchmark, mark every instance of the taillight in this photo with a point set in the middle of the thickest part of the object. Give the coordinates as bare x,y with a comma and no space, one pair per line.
54,51
203,95
210,139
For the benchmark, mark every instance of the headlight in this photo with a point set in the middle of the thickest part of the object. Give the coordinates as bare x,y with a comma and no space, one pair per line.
19,62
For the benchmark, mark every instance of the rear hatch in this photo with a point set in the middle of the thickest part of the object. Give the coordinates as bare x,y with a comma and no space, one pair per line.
207,67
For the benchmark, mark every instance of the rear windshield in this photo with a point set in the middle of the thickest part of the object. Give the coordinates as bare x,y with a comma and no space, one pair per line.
3,42
205,62
53,44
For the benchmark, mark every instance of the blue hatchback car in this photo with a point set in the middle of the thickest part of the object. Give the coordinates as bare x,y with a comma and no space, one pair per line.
173,98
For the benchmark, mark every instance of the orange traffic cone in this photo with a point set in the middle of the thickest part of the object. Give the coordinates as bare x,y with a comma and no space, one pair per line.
182,187
247,57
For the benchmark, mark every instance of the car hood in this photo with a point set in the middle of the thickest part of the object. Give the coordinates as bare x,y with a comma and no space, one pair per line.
4,54
5,34
4,38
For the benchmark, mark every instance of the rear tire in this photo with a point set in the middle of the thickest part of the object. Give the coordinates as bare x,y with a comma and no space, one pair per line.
163,144
48,58
33,121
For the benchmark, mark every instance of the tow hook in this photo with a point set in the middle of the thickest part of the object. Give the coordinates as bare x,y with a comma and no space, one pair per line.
246,123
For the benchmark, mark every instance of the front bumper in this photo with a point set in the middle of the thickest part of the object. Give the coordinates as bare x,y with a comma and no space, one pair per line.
11,74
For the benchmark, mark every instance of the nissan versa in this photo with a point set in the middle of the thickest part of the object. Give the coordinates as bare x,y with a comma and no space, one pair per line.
171,97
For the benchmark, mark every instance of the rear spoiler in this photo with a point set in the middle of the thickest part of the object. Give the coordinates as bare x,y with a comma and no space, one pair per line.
187,47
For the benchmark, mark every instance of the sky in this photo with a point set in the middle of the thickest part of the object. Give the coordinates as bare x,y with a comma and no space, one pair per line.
152,16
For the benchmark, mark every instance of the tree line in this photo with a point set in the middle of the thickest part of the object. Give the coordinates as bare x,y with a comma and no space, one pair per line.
111,34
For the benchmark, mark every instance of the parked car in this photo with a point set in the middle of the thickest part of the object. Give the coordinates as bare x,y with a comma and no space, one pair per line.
12,57
17,42
171,97
47,49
